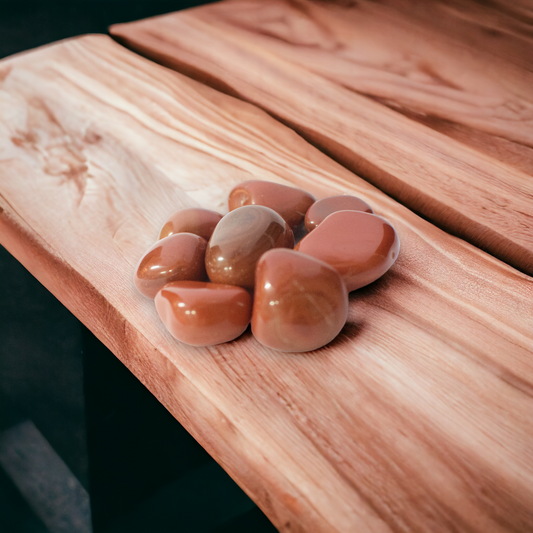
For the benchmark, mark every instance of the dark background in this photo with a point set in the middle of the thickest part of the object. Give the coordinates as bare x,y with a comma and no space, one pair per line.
25,24
142,470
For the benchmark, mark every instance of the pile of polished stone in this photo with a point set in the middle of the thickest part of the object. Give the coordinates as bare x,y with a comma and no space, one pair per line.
211,275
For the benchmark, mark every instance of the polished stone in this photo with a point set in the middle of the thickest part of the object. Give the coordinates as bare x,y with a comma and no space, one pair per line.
289,202
176,257
195,220
300,303
361,246
240,239
201,314
323,208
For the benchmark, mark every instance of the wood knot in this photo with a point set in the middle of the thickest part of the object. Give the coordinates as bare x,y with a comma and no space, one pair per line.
92,137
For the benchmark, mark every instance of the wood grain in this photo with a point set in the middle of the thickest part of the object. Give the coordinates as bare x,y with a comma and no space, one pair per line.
407,98
416,418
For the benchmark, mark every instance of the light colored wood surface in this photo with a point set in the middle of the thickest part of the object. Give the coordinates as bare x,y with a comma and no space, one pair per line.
416,97
418,417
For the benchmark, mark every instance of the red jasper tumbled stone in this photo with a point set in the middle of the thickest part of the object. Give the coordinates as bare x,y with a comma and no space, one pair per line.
323,208
202,314
360,246
195,220
289,202
240,239
177,257
300,303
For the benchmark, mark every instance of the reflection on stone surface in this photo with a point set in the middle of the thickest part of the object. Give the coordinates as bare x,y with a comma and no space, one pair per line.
322,208
360,246
202,314
240,239
290,203
300,303
177,257
195,220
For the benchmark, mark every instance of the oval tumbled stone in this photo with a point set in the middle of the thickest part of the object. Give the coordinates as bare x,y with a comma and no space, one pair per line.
323,208
239,240
177,257
361,246
300,303
289,202
201,314
195,220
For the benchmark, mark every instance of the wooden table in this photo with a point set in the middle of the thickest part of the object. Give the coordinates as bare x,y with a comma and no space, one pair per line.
418,417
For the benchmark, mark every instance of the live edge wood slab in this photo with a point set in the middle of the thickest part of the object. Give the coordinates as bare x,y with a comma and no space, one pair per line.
418,417
430,101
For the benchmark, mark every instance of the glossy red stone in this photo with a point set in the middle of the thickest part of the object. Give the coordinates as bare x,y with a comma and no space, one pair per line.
201,314
195,220
289,202
178,257
323,208
361,246
300,303
240,239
